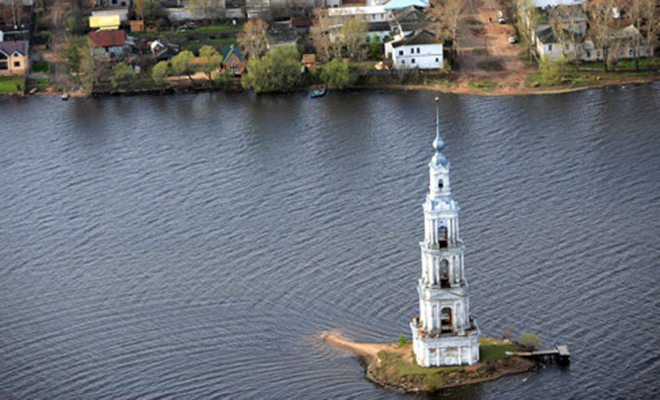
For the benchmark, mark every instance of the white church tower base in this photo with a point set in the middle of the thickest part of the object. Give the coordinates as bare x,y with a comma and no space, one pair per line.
444,333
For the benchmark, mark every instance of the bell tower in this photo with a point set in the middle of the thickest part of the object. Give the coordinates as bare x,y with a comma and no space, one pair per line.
444,333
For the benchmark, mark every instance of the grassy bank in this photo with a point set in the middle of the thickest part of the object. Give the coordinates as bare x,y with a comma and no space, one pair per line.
398,369
12,84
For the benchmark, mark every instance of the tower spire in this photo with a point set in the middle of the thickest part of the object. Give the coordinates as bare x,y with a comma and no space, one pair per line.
438,143
444,333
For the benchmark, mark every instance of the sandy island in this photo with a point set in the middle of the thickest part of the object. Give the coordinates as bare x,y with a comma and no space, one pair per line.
392,366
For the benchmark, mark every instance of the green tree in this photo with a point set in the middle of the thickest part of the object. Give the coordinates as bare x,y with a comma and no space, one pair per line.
375,49
530,341
73,55
551,71
122,74
402,340
160,71
182,64
339,74
277,71
223,79
210,61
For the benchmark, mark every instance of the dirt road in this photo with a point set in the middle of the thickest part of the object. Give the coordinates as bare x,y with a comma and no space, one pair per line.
484,50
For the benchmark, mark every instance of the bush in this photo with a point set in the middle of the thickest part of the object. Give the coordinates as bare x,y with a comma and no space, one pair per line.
530,341
160,71
277,71
507,334
122,74
402,340
339,74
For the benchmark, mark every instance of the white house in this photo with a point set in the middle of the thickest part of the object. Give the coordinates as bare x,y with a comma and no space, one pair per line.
422,51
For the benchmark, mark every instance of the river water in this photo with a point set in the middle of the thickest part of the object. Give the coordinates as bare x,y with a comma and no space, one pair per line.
194,246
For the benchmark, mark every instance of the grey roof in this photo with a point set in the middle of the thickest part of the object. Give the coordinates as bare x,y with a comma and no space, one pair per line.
410,18
282,32
547,36
424,37
12,46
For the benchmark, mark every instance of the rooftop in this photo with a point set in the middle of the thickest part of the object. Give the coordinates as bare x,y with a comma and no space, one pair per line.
107,38
20,46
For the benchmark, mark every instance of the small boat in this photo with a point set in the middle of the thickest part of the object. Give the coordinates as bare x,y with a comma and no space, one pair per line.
319,92
65,96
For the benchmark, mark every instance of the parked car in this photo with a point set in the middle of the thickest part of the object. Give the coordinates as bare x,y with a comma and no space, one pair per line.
512,40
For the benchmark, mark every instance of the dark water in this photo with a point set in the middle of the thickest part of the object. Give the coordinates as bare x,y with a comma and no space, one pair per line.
191,247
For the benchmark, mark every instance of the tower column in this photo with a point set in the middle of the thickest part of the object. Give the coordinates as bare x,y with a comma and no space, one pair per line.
448,336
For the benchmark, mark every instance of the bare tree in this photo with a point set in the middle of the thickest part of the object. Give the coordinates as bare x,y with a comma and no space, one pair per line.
568,26
322,35
445,16
253,38
601,22
528,19
351,37
643,15
650,14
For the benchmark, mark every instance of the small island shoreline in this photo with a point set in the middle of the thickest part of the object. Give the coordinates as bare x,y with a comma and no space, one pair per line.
377,370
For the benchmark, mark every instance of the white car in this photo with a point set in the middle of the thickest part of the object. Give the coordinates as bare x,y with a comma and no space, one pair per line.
512,40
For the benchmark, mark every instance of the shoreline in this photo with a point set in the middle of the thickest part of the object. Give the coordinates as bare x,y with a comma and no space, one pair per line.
377,370
503,88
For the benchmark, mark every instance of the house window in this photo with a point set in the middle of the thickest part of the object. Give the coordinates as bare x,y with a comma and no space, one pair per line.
233,68
412,61
549,47
588,54
412,51
630,52
3,65
437,59
418,50
17,64
403,61
400,52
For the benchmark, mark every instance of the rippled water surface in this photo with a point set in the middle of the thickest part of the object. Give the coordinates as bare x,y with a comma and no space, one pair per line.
194,246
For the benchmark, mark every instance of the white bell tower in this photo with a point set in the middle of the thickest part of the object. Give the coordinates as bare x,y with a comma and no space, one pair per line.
444,333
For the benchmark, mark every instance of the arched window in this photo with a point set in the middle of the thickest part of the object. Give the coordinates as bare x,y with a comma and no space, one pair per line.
444,273
445,320
441,184
442,236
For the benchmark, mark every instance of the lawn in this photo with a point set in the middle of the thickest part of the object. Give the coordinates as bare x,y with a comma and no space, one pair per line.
11,84
40,84
491,349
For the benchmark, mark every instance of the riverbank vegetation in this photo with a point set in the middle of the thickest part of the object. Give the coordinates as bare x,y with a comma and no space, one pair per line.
393,365
345,52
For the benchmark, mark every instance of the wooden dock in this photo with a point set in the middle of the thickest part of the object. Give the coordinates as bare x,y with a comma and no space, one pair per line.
559,354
